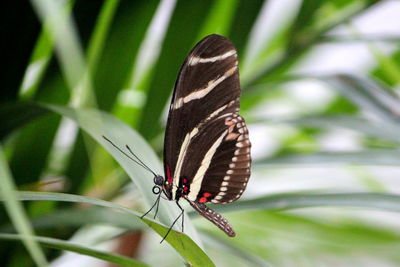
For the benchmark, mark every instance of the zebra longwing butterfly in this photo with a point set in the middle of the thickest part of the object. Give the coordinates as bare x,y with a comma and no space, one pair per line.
206,147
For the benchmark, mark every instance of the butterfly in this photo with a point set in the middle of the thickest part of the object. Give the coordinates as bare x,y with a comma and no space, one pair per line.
206,146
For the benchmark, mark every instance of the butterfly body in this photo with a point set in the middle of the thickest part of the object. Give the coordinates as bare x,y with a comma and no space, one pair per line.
207,148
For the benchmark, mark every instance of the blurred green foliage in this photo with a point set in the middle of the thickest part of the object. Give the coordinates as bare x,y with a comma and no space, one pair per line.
77,70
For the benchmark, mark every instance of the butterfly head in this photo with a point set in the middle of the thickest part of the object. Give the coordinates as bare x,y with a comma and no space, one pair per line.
158,180
158,183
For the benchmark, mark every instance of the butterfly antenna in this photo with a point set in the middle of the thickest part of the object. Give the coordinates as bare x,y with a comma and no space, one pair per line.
140,163
144,165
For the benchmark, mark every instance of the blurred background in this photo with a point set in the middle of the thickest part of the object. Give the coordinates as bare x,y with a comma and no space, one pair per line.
320,94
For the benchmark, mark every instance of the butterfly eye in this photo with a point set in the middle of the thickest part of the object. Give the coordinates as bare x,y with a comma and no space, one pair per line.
156,190
158,180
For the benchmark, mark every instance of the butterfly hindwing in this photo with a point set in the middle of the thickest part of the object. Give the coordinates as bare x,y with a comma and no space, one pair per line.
228,173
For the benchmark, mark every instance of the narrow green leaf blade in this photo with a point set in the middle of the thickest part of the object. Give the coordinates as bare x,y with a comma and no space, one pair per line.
356,123
16,115
368,95
17,213
182,243
378,201
381,157
69,246
219,18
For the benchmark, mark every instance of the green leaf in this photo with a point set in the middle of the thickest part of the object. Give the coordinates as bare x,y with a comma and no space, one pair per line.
333,38
14,115
364,157
387,202
386,70
61,197
69,246
338,237
175,48
222,245
81,216
40,59
219,18
17,213
131,99
183,244
284,61
97,125
99,35
302,25
368,95
69,51
370,128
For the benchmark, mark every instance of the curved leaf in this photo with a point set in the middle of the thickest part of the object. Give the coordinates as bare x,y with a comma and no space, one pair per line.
69,246
356,123
368,95
81,216
98,124
383,157
388,202
182,243
17,213
15,115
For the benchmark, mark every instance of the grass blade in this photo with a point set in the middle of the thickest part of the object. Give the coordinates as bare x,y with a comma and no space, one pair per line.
81,216
370,128
69,246
387,202
16,115
367,95
99,124
219,19
40,59
17,213
286,60
182,243
138,82
99,35
364,157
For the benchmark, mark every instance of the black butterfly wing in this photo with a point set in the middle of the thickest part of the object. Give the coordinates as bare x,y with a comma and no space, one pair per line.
224,169
228,166
201,88
207,151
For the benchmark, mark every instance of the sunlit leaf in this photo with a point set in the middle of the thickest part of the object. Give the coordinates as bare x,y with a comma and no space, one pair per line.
69,246
364,157
368,95
387,202
17,213
181,242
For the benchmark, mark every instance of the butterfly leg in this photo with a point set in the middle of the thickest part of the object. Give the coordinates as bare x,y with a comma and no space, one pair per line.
177,218
156,204
182,213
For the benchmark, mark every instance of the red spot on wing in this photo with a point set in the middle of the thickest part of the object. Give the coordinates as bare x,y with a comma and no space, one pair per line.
202,200
206,194
185,180
169,178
